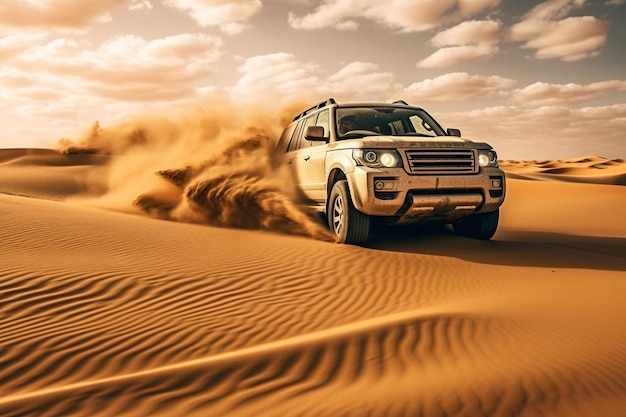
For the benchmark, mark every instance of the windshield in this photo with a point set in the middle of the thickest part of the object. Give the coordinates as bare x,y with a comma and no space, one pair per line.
393,121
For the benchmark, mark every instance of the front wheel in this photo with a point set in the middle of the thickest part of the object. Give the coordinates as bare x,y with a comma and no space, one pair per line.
478,226
347,223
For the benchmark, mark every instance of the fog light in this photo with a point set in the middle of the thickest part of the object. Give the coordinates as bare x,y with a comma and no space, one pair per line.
496,183
385,185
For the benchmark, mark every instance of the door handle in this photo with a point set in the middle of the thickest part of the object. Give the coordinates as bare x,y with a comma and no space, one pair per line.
306,158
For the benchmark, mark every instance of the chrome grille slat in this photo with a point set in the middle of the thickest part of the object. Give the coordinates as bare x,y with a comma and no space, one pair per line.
441,161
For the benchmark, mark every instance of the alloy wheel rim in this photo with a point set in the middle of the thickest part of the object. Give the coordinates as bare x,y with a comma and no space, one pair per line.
338,215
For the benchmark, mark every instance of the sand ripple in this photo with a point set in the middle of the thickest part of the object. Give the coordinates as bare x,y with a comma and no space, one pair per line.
451,364
108,314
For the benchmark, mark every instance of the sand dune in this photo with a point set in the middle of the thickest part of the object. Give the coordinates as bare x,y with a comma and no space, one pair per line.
592,169
47,173
111,313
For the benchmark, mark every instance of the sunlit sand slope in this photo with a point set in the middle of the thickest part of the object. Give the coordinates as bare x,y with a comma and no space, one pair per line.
46,173
113,314
591,169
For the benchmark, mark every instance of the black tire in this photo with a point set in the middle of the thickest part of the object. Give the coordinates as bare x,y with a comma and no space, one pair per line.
347,223
478,226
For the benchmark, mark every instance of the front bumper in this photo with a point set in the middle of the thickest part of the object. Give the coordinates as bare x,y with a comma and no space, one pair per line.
394,193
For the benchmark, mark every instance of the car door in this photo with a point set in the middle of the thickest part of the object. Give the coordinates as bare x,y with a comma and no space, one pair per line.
309,160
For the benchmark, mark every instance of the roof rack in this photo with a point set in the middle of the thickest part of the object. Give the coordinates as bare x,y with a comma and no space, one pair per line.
401,102
316,107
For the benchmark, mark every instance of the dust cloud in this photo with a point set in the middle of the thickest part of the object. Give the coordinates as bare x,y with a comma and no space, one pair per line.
215,166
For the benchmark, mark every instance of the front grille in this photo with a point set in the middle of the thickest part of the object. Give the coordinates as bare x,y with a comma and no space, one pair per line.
441,161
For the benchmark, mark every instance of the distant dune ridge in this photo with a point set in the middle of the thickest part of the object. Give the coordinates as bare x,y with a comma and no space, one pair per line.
591,169
118,313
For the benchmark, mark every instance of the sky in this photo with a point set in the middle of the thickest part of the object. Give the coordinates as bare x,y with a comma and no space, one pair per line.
535,79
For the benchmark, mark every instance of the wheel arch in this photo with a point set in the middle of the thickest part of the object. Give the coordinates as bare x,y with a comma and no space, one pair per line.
336,174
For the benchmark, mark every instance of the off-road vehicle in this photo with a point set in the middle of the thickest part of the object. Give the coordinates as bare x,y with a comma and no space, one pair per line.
363,162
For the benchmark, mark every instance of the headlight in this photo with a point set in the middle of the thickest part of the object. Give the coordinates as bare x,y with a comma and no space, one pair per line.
377,158
487,158
371,157
389,160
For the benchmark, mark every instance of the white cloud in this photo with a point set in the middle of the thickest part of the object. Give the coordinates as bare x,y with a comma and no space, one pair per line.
553,9
58,87
545,30
233,28
229,15
140,4
570,39
471,7
37,105
453,55
13,79
126,68
466,41
283,78
279,76
63,14
457,86
12,46
363,80
400,15
543,94
545,132
469,32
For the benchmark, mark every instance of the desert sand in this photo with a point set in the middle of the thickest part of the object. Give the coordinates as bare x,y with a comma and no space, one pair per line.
115,309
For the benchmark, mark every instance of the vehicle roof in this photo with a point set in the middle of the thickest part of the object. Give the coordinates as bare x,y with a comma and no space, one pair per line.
331,102
376,104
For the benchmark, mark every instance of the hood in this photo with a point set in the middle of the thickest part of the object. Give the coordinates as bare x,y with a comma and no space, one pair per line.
408,142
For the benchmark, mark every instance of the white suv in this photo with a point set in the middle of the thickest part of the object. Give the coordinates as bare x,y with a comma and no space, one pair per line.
358,162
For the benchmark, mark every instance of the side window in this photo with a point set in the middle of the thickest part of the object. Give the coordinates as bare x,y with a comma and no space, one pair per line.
323,120
310,121
297,137
293,145
299,130
285,138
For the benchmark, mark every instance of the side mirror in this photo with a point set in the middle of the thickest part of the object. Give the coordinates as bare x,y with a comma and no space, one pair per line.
454,132
315,134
